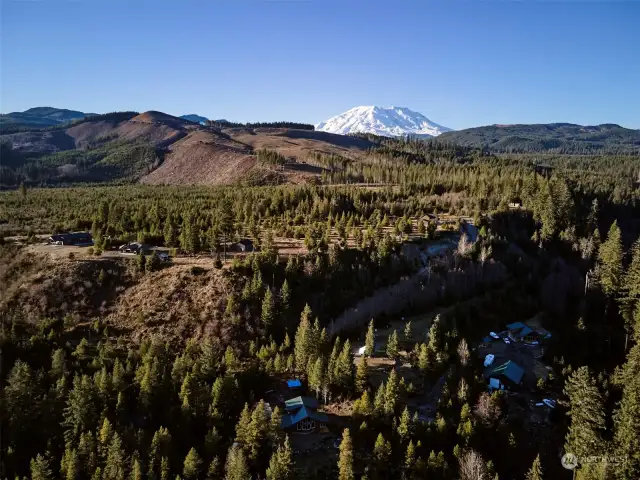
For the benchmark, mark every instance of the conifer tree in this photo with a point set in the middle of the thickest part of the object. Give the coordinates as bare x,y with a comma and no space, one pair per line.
281,463
631,278
268,309
258,431
381,453
40,469
303,346
170,232
362,375
404,427
243,426
164,469
379,401
610,262
587,414
114,468
408,332
192,465
409,460
423,358
535,472
344,370
136,468
236,467
213,472
362,406
391,394
316,376
392,345
627,427
345,461
275,428
58,364
285,298
370,341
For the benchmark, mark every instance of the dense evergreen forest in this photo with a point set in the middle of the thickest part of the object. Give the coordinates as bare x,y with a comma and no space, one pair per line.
92,394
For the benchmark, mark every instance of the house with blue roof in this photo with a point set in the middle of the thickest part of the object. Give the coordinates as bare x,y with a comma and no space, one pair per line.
301,415
520,332
294,384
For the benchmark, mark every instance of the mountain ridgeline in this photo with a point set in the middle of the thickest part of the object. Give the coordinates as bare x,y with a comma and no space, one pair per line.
562,138
157,148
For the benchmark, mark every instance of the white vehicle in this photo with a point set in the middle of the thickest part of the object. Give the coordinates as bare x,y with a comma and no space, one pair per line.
506,340
488,360
549,402
539,404
494,335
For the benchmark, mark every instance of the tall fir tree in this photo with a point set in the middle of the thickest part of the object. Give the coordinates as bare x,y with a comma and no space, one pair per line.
610,262
535,472
303,342
192,465
268,309
587,414
626,439
115,464
236,467
370,340
281,463
345,460
40,468
362,375
392,345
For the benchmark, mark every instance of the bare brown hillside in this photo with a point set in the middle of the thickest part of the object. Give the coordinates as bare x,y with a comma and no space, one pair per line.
203,158
179,301
299,144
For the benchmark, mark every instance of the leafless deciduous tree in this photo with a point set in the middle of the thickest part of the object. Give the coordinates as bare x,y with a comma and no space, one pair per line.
463,352
464,245
472,466
487,409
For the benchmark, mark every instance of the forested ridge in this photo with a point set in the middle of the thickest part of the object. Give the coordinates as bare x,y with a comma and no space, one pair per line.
109,394
559,138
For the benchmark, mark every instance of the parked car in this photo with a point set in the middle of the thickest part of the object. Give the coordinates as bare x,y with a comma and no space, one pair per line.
488,360
506,340
549,402
494,335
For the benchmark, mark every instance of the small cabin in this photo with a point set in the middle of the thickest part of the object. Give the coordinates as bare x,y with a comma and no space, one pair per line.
301,415
244,245
79,239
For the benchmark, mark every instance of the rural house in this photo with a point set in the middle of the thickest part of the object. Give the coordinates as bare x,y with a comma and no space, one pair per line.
135,247
244,245
301,415
519,332
80,239
507,375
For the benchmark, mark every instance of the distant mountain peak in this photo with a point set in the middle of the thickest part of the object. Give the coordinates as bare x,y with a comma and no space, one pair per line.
192,117
384,121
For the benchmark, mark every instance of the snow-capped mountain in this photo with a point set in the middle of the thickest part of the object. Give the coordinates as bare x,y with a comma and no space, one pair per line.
387,122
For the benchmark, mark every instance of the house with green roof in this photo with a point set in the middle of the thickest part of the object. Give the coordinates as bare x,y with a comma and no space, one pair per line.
507,375
301,415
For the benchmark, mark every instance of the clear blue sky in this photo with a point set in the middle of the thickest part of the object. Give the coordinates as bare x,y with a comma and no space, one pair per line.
460,64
